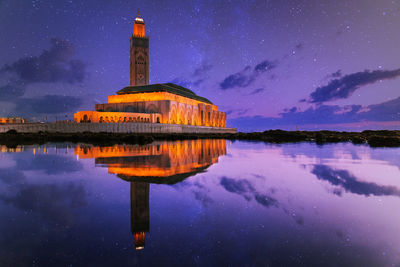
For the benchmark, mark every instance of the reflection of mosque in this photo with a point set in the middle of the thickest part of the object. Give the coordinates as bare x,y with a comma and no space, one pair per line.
159,162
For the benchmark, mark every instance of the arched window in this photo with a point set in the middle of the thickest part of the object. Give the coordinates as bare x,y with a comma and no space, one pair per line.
101,119
158,119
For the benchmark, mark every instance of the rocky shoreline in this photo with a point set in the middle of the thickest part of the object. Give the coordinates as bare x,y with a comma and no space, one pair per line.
383,138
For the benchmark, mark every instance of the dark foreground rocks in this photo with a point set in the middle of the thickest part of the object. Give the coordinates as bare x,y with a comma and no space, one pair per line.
373,138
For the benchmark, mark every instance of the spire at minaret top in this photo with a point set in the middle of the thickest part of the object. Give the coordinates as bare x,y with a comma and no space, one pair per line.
138,26
138,18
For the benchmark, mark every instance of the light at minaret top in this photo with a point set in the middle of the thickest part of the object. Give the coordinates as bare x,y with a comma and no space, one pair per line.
138,26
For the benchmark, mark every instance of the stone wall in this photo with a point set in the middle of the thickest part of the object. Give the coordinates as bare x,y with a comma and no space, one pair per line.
72,127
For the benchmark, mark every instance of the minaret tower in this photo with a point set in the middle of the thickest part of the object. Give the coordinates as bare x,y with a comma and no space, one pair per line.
139,54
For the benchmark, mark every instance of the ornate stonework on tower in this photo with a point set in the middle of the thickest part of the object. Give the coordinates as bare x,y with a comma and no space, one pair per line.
139,55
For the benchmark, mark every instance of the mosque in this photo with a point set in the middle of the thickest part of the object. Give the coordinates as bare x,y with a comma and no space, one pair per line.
152,103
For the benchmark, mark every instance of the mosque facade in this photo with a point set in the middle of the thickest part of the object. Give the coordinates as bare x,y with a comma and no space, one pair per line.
152,103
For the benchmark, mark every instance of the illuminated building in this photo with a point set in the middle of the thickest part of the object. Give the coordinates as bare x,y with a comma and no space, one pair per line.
12,120
152,103
158,162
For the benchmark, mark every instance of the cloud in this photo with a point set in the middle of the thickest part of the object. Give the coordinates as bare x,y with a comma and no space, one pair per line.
247,76
323,115
237,111
11,91
299,46
182,82
336,74
345,86
202,70
264,66
53,65
240,79
257,91
350,183
198,77
53,104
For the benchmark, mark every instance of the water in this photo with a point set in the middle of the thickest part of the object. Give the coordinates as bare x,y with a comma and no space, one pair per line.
200,203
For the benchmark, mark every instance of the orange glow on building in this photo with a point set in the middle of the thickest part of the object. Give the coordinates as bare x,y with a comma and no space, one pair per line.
12,120
138,26
153,103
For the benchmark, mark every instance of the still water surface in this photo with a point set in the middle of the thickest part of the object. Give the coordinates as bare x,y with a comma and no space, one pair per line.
200,203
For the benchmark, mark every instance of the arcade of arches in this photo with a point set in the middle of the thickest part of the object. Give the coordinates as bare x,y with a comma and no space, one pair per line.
157,104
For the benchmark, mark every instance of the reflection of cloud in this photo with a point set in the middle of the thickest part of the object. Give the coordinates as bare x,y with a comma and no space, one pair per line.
50,164
265,200
11,176
200,192
350,183
54,202
203,197
244,188
236,186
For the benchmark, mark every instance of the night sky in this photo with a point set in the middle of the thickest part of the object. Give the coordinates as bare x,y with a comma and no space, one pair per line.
268,64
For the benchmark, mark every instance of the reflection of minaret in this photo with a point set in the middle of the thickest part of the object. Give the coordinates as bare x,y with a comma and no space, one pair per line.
140,216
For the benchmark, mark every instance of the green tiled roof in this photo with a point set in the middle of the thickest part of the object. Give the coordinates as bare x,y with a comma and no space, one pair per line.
163,87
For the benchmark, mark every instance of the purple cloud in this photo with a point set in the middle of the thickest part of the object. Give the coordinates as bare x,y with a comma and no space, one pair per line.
345,86
247,76
53,65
